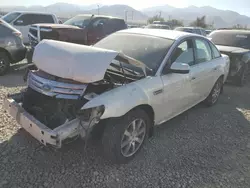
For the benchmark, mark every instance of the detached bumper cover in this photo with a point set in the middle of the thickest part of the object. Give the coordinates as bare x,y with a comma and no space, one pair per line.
40,131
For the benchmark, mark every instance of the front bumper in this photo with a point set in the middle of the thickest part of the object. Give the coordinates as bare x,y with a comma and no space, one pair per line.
40,131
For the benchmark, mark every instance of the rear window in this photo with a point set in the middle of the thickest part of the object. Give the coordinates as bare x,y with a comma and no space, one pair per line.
184,29
10,17
236,39
44,18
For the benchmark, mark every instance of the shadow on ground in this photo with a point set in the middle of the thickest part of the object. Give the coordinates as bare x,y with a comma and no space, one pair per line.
203,147
13,78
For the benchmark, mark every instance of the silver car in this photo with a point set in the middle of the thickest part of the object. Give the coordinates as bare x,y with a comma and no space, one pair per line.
12,49
119,89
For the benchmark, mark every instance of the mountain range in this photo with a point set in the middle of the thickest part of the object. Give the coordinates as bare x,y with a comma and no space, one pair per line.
217,17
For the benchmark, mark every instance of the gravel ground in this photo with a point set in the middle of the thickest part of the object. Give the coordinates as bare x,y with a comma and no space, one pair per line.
204,147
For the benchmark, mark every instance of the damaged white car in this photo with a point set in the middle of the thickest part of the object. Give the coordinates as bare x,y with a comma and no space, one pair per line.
119,88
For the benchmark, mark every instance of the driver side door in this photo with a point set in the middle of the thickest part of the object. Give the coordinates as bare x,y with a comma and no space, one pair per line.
178,94
95,32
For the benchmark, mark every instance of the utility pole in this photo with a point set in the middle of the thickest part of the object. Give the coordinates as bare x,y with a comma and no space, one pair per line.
160,14
126,12
98,9
132,14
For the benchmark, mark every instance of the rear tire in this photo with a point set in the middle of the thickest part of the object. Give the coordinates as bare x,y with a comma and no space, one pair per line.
4,63
242,79
215,93
123,137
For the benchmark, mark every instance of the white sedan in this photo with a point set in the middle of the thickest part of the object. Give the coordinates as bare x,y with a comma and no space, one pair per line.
123,86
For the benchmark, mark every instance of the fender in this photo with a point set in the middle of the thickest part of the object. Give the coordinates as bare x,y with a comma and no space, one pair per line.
119,101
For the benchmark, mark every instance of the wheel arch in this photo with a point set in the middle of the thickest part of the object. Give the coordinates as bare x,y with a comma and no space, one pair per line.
151,114
6,52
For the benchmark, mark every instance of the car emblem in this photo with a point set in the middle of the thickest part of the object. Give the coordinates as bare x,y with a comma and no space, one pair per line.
46,87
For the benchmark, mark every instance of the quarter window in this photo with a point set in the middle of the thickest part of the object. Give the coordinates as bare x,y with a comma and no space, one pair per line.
203,51
215,51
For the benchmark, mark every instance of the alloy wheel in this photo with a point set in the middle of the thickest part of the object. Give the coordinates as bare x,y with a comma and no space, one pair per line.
133,137
216,92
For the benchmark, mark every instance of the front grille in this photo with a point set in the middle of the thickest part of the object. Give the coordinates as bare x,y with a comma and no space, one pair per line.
54,88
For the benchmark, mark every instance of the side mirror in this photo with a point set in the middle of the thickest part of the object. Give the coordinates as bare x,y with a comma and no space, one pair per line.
180,68
19,22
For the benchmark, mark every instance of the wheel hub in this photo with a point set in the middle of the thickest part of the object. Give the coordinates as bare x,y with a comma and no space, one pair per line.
133,137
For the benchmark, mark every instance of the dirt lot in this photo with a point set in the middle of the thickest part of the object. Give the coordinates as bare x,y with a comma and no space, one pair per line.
204,147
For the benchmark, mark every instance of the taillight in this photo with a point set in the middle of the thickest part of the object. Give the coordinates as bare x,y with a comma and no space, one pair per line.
18,34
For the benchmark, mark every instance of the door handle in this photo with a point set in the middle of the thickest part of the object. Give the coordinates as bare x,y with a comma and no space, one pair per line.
193,78
157,92
215,68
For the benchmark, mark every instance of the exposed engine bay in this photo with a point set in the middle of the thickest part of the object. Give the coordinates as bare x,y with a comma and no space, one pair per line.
54,101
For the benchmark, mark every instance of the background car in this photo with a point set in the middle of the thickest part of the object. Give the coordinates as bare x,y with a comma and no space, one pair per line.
12,49
22,20
157,26
195,30
236,44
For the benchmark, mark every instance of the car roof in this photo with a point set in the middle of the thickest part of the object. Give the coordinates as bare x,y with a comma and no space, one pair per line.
97,16
31,12
168,34
235,31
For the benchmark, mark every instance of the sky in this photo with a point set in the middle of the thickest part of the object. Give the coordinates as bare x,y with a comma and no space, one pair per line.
241,6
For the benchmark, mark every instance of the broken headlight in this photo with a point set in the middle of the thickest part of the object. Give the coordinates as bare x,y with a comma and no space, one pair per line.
91,113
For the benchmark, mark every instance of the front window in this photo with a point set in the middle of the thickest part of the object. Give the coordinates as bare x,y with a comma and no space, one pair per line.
10,17
230,38
79,21
148,49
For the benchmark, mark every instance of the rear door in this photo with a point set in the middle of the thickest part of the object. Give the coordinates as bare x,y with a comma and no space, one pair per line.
203,73
96,30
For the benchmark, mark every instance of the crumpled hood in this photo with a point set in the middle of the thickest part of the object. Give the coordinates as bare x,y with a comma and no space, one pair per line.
231,49
81,63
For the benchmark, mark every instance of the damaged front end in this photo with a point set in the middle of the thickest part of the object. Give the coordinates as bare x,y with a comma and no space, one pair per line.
51,110
52,107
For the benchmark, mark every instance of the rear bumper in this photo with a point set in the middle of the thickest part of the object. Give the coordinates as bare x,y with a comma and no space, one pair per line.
38,130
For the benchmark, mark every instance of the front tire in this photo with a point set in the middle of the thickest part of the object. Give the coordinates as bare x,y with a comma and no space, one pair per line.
215,93
123,137
4,63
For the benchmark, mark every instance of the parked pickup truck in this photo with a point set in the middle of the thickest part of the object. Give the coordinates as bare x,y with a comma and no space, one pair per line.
82,29
22,20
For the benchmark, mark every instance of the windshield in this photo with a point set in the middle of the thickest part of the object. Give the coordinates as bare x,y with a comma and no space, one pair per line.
10,17
79,21
147,49
235,39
